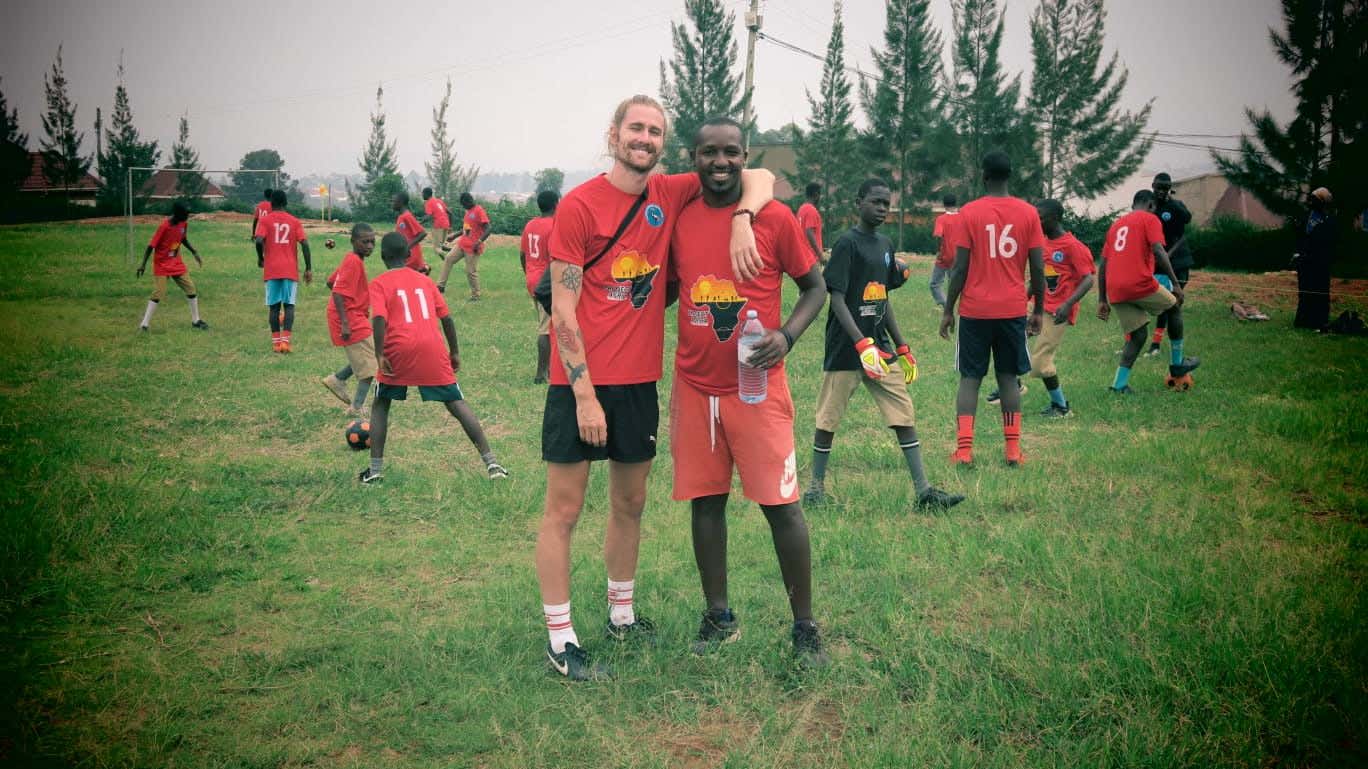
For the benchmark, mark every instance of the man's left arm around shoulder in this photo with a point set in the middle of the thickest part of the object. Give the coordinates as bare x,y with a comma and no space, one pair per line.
778,342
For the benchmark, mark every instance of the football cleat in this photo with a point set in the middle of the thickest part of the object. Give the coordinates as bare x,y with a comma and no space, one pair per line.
200,324
142,329
640,630
815,495
335,386
1121,390
717,628
995,397
574,664
1188,365
807,645
496,471
962,458
1014,457
934,498
1153,349
1056,411
367,476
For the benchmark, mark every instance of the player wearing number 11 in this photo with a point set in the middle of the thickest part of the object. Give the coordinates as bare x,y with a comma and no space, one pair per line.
409,319
995,238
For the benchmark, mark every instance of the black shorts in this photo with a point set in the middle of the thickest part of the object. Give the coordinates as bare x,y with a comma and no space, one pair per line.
632,412
1003,338
443,393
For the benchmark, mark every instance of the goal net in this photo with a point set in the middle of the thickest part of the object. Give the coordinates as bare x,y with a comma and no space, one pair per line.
144,187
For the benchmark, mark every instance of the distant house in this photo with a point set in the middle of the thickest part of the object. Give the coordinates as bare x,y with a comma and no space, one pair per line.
82,193
780,159
1212,196
162,186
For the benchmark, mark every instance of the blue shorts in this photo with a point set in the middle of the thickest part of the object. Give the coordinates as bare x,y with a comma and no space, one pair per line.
281,291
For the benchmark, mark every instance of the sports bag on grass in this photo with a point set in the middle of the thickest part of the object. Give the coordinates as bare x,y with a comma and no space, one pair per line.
542,293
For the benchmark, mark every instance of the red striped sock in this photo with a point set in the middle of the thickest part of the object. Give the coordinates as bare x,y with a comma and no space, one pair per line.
964,437
620,611
558,626
1011,435
1158,335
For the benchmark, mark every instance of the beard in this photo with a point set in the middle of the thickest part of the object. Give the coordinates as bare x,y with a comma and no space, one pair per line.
624,156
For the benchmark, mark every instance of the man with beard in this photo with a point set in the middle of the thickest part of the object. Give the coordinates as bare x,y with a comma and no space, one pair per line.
711,428
609,244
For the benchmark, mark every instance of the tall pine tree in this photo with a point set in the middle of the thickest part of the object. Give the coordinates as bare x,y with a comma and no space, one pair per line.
378,164
827,152
448,178
901,108
14,160
1086,145
1326,143
700,83
189,185
982,103
63,163
125,150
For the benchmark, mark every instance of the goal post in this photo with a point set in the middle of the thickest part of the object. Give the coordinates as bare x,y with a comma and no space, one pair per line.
151,174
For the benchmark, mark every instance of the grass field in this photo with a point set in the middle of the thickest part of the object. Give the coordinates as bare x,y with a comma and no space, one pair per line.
193,578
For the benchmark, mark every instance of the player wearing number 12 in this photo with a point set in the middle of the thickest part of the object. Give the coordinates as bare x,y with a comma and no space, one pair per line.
277,234
536,235
995,238
409,319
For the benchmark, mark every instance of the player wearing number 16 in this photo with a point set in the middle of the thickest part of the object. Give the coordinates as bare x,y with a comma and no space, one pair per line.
995,239
276,236
409,319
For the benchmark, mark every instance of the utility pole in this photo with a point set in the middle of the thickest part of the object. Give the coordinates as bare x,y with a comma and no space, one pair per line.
753,25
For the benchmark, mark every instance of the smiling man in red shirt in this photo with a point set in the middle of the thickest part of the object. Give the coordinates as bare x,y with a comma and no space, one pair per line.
996,238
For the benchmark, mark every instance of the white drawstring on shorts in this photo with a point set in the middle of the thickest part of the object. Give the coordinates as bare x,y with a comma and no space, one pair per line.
714,419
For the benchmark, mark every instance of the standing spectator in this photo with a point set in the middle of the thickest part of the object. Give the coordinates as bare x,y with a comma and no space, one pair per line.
1315,252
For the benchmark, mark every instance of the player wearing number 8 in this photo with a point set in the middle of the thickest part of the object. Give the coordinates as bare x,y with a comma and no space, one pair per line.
409,319
995,239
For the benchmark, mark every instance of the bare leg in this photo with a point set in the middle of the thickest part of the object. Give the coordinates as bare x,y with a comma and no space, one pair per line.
470,423
565,484
710,548
790,533
621,541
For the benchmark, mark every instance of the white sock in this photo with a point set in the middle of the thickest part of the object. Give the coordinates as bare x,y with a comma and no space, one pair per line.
194,309
620,610
147,316
559,627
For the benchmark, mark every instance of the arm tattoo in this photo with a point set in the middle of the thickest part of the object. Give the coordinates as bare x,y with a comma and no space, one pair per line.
565,339
571,277
577,371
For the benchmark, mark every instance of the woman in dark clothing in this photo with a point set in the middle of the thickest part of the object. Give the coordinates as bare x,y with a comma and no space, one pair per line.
1315,251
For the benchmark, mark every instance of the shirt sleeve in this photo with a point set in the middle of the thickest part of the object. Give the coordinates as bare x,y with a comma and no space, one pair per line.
1037,232
678,190
439,305
1083,259
482,217
957,232
299,234
260,228
1154,231
1107,243
1183,211
938,229
344,280
377,301
412,222
569,232
837,271
157,236
795,255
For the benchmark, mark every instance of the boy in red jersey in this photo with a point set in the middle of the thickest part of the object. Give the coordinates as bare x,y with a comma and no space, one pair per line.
349,321
1125,278
991,238
276,237
712,430
436,214
945,253
165,244
409,319
608,314
810,219
1068,278
536,236
263,207
475,231
406,224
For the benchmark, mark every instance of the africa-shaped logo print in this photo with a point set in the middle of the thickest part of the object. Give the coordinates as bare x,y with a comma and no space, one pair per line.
874,291
633,267
1051,274
719,297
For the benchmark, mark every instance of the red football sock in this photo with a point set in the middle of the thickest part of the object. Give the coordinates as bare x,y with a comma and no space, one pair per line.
964,433
1011,435
1158,335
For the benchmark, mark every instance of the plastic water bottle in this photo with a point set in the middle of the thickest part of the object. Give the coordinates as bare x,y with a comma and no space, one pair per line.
752,383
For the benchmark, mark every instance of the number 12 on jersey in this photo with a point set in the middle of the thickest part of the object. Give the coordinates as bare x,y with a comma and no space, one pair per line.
422,304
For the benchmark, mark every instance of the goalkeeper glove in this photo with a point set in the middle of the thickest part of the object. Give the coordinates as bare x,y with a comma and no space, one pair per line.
871,359
908,361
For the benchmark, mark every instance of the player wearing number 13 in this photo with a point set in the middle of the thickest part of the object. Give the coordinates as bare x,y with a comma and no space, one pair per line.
276,236
995,239
409,319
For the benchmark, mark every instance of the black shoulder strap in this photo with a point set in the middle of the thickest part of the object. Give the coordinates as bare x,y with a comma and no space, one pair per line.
622,227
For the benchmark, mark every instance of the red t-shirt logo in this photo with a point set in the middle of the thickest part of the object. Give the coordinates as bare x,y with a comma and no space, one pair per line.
632,268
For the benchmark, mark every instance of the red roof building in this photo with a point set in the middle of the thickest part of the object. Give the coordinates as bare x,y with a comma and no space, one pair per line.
162,186
82,192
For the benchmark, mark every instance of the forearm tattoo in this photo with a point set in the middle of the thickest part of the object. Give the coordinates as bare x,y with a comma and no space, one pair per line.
576,371
566,339
572,277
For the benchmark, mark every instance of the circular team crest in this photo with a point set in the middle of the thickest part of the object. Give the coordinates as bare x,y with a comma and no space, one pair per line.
1166,215
1057,257
655,215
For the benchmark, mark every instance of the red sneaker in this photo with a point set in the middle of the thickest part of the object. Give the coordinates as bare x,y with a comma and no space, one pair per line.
963,457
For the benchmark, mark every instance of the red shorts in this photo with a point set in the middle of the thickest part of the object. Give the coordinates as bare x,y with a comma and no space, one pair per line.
470,245
709,434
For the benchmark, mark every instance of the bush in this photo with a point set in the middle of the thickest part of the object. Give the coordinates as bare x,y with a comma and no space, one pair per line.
1233,244
509,218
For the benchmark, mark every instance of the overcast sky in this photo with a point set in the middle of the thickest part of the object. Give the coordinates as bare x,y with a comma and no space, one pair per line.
536,81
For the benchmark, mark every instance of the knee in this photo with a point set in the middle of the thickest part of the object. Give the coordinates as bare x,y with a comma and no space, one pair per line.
629,504
561,513
784,516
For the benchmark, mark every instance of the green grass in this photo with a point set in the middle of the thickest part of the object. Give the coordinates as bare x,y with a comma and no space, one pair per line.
192,577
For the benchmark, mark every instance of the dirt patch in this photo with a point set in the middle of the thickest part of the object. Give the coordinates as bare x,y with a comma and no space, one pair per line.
821,721
702,745
1269,289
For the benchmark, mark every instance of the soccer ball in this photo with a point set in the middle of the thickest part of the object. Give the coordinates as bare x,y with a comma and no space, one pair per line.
1179,384
330,243
358,435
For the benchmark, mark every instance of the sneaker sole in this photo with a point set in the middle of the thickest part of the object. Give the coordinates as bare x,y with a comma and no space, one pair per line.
702,648
336,394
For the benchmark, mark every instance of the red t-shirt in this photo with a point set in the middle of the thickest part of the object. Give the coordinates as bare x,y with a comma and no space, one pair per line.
1129,251
809,218
281,231
476,221
945,258
349,281
408,226
1067,262
621,310
414,344
437,209
262,208
536,236
713,304
165,245
998,231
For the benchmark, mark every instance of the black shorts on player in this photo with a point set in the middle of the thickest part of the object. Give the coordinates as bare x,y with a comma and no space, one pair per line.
631,411
1004,338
